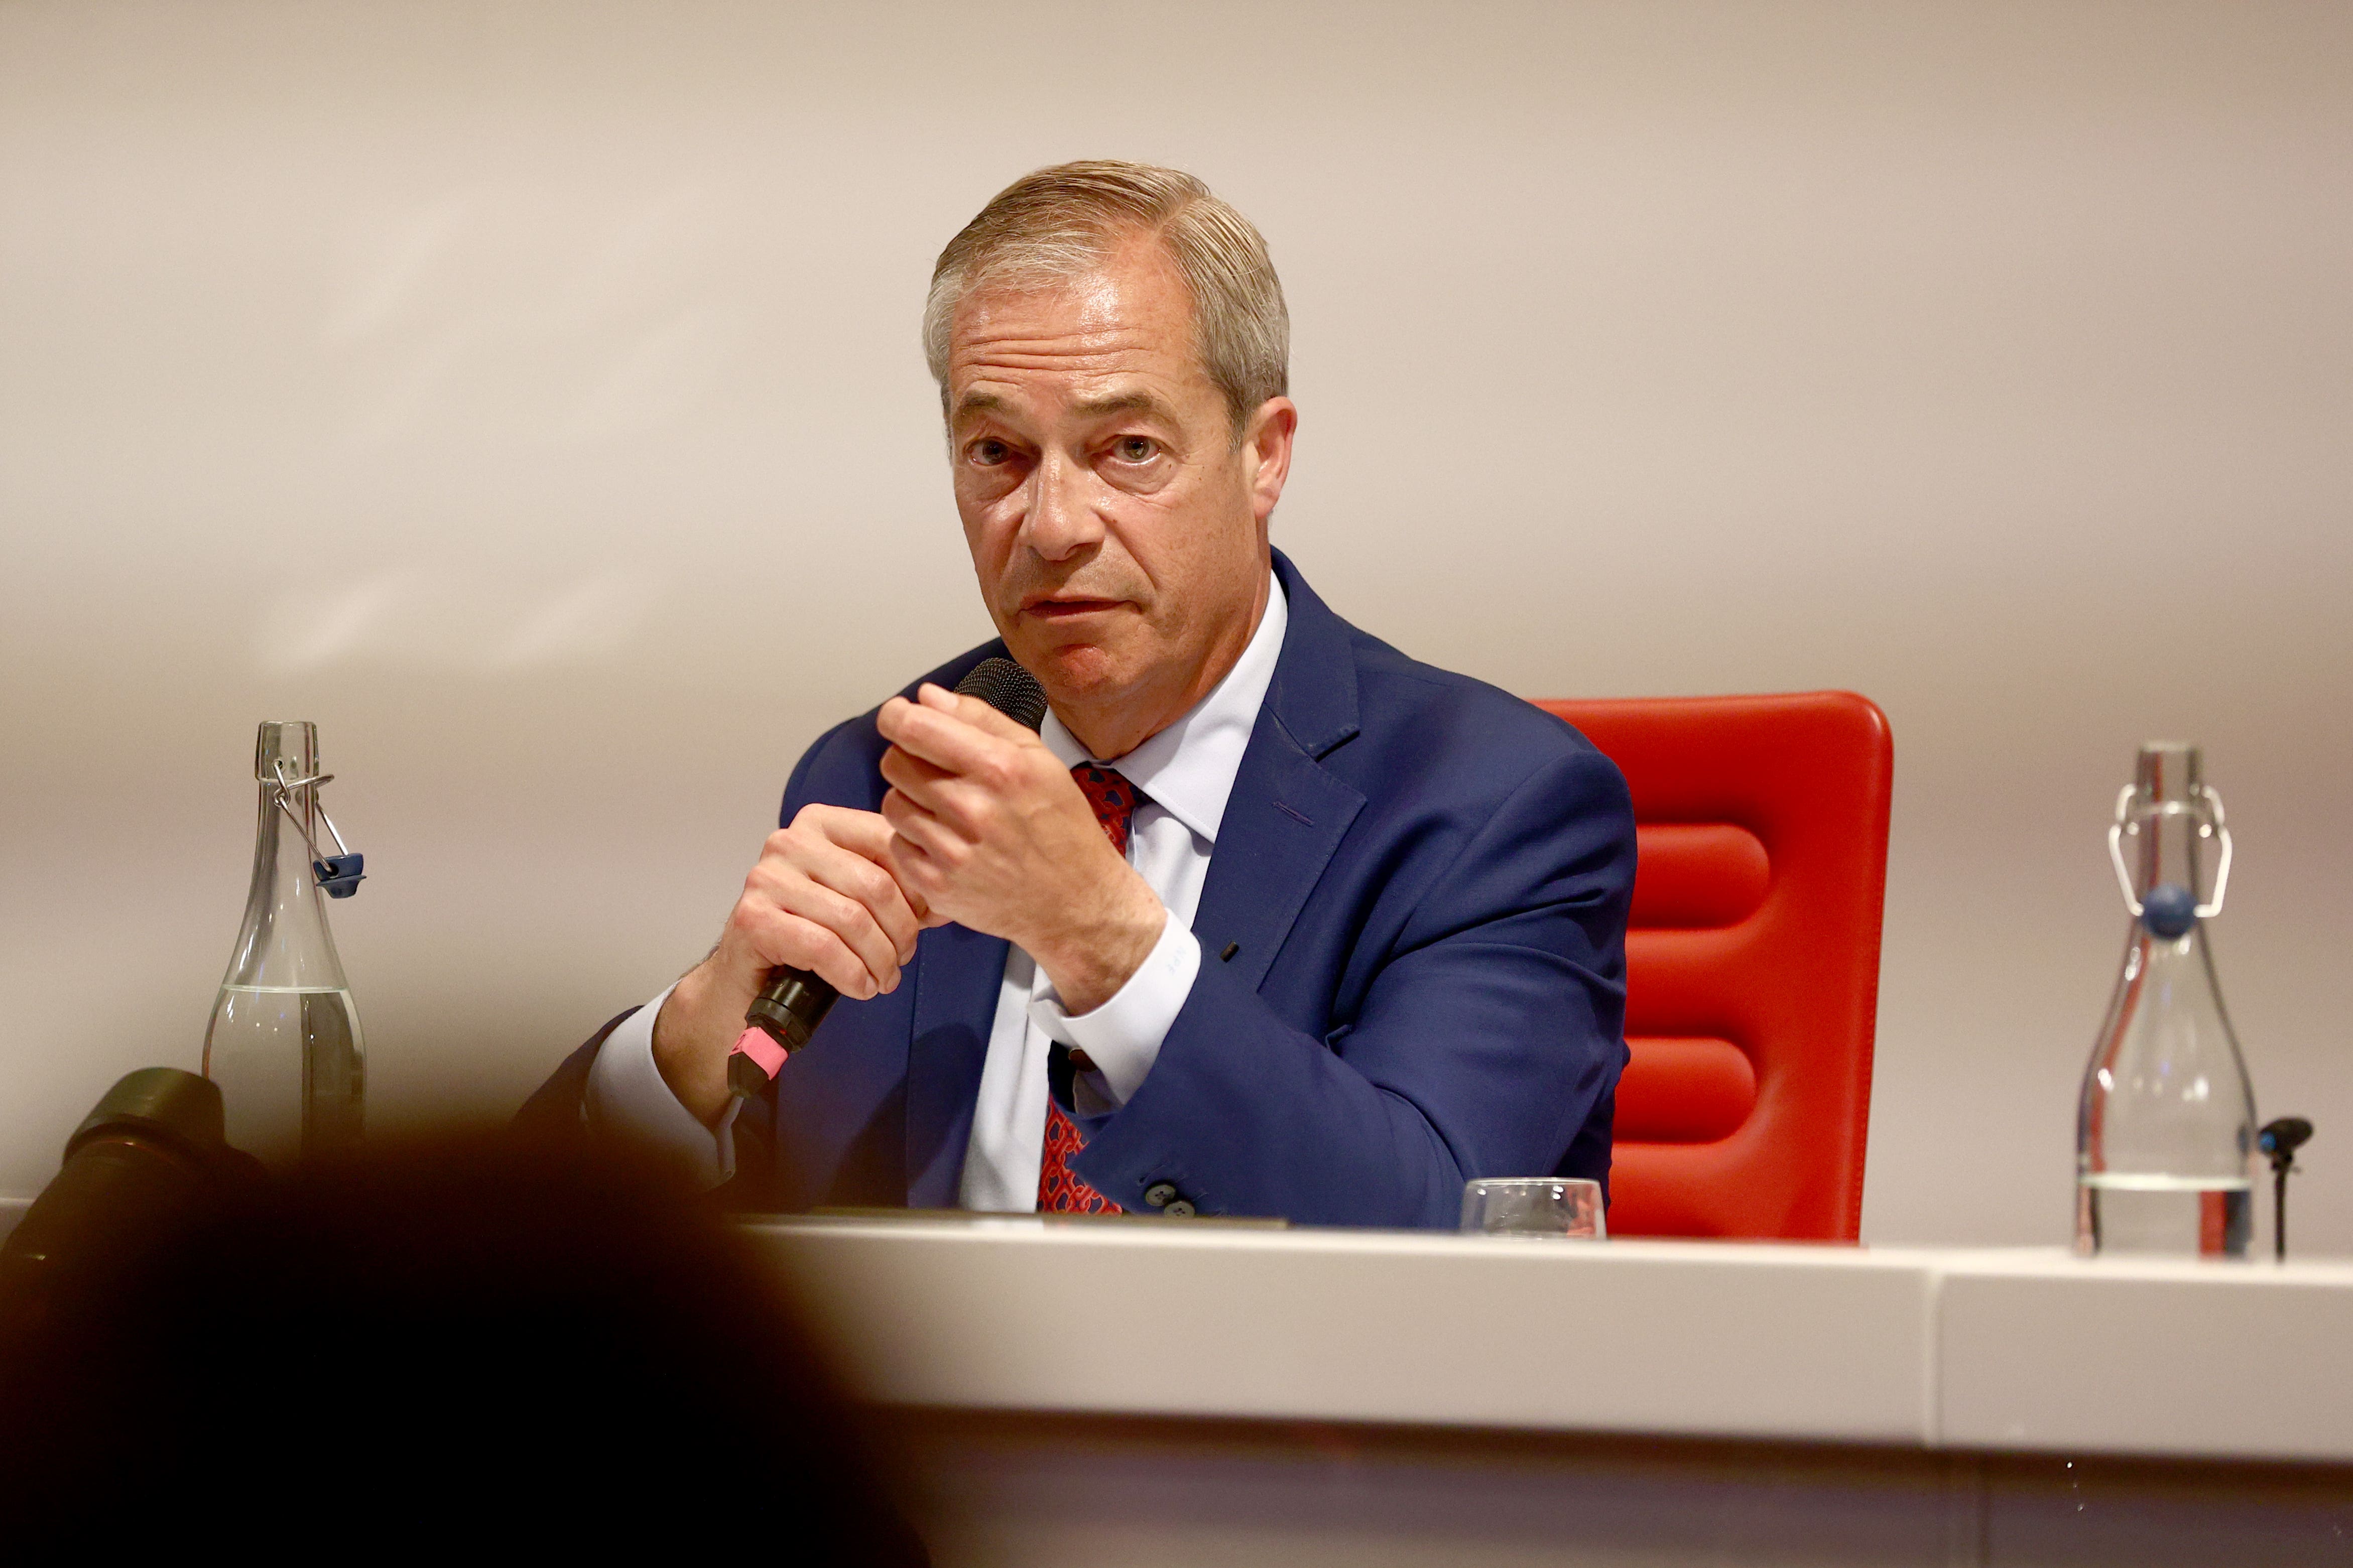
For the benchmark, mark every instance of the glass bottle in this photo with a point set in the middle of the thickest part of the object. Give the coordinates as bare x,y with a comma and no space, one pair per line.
285,1044
2164,1133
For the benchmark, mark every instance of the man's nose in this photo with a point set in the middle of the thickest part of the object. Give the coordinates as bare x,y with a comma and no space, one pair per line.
1060,521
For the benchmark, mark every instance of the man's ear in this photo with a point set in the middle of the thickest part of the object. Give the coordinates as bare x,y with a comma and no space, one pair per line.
1266,452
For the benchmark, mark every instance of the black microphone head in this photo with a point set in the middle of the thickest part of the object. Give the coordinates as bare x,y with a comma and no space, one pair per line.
1008,688
2282,1138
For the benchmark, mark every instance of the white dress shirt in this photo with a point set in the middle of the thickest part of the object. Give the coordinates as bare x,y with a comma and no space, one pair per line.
1185,773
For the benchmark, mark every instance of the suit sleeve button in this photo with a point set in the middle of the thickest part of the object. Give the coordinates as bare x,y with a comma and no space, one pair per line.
1180,1209
1160,1194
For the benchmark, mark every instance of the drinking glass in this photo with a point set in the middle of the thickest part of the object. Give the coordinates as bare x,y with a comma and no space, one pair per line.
1566,1207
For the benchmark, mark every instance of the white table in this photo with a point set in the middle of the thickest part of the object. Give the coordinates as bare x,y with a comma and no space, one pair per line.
1155,1392
1150,1392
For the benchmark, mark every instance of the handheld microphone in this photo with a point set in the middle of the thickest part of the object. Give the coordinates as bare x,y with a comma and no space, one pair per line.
783,1016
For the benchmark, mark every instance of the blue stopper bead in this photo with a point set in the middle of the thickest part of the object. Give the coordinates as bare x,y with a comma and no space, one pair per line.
2168,911
340,875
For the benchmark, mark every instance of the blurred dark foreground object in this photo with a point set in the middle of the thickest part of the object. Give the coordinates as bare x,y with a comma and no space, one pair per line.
461,1343
147,1163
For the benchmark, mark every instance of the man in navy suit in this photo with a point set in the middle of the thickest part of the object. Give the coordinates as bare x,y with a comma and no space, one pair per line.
1268,918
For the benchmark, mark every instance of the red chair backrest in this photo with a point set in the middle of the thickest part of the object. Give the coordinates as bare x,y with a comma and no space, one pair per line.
1752,959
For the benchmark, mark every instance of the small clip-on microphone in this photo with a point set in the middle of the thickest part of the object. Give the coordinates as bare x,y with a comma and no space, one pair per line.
2281,1139
783,1016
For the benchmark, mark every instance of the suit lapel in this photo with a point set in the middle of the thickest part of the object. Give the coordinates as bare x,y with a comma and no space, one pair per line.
1287,813
957,975
1284,821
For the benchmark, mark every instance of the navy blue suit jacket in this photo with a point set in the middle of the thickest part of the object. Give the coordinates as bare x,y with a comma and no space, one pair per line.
1422,884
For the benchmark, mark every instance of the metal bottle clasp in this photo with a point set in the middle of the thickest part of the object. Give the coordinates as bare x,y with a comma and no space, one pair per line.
340,874
2217,828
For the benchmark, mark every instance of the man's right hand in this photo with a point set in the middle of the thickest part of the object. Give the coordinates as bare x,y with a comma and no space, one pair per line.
822,899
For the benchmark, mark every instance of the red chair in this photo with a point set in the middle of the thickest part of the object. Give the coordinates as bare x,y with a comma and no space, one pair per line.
1752,959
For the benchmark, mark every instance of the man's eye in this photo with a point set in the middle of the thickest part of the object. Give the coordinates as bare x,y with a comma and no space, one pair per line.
1136,448
990,452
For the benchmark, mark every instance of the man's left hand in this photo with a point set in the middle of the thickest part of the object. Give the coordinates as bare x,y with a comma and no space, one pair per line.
991,830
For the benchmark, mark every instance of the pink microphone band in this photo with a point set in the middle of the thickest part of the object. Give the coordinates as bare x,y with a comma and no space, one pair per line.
756,1044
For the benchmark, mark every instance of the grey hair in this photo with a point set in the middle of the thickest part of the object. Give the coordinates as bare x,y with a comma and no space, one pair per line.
1065,221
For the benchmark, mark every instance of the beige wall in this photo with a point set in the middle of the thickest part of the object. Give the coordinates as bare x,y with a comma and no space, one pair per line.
530,394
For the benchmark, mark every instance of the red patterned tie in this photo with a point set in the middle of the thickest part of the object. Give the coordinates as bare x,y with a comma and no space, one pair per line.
1060,1191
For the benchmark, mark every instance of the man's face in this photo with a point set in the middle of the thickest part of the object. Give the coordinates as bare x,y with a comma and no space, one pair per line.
1118,530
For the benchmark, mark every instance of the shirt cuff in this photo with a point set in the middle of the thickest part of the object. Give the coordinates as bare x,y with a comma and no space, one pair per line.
629,1101
1123,1037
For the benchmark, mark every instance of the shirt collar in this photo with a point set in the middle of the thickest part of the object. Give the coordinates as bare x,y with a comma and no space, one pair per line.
1187,769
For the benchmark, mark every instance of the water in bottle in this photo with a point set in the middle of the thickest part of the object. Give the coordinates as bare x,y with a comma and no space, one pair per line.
285,1044
2165,1136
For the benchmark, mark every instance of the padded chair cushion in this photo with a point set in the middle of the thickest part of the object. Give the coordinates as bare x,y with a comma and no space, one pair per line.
1752,959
